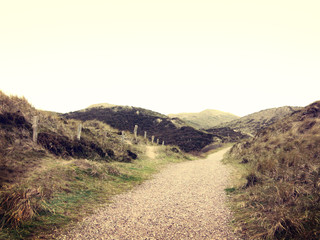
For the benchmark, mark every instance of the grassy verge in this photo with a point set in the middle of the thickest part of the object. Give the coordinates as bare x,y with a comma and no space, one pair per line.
62,192
267,207
235,191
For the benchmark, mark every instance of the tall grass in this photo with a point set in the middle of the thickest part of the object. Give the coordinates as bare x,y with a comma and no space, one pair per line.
63,191
21,205
280,195
40,190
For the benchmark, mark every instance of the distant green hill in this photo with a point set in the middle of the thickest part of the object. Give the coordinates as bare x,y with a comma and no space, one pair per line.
206,119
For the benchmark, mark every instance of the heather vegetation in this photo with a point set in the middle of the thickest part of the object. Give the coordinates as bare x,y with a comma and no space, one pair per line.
59,179
171,131
227,134
278,196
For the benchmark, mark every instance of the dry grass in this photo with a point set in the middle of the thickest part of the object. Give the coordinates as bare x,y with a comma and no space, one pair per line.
41,190
20,206
205,119
15,104
252,123
281,196
62,191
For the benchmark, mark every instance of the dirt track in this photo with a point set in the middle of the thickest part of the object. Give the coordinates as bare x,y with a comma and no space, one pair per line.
184,201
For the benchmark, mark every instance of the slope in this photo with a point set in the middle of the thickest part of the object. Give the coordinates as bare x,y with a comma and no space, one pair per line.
252,123
58,179
205,119
281,197
171,131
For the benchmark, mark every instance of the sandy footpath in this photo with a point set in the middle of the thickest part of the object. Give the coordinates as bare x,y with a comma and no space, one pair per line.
184,201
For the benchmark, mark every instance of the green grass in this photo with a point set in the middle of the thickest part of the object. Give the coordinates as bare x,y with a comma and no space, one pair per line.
230,190
73,189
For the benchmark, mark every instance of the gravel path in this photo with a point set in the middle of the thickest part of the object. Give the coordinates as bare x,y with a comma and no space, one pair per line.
184,201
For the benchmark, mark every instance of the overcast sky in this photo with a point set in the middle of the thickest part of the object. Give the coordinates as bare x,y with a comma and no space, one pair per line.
169,56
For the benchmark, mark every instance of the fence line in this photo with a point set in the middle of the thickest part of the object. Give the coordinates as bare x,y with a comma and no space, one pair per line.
35,127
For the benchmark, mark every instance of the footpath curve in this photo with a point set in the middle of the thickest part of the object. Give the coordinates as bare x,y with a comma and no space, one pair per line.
184,201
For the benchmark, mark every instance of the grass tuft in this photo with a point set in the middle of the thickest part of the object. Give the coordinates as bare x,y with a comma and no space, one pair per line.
279,194
20,206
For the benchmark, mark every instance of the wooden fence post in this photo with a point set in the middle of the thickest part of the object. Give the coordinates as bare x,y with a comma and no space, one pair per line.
145,134
135,131
162,143
158,141
79,131
152,139
122,143
35,128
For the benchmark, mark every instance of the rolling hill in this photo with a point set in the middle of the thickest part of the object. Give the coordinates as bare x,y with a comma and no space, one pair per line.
49,182
281,197
56,139
254,122
172,131
227,134
205,119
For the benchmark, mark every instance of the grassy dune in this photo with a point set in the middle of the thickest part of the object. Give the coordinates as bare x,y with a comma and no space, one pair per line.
206,119
254,122
277,186
64,191
56,182
171,131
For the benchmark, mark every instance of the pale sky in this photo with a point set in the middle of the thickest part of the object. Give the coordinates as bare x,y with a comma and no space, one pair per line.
169,56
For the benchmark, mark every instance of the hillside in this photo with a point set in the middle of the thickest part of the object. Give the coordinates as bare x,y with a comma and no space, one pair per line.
56,139
226,134
58,179
205,119
281,196
252,123
104,105
172,131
